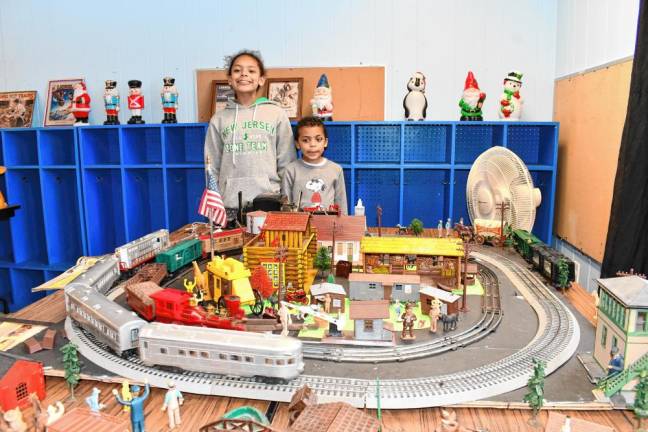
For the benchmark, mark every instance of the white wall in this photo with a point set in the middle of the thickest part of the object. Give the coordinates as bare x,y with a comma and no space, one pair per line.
594,32
147,40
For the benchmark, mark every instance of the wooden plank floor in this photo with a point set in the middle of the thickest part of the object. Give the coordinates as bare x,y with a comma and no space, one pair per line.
199,410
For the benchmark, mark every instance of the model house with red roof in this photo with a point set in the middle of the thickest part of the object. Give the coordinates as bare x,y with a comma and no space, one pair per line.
348,232
19,379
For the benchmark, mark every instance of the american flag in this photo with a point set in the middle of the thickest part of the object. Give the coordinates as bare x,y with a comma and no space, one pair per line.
211,203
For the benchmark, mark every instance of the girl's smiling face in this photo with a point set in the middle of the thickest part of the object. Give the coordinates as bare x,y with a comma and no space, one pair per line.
246,77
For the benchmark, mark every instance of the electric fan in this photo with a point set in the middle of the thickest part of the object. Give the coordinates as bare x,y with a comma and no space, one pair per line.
500,182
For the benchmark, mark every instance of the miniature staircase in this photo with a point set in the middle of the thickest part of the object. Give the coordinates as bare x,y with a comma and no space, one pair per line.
613,384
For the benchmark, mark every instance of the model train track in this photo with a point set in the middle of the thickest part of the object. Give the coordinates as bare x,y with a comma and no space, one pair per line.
488,322
555,342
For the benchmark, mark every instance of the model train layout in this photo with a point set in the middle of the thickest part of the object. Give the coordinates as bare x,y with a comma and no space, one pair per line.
181,332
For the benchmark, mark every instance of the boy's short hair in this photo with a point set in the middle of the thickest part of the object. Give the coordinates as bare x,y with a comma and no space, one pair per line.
310,122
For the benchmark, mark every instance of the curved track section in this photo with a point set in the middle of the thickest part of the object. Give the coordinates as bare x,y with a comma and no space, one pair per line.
555,342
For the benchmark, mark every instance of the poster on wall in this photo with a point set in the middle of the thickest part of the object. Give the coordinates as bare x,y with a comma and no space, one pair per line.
222,93
17,109
58,110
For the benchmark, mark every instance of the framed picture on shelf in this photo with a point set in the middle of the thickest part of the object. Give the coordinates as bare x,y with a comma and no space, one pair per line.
221,93
17,109
288,93
58,109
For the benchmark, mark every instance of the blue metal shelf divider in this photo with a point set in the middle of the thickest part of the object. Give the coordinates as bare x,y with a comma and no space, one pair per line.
84,191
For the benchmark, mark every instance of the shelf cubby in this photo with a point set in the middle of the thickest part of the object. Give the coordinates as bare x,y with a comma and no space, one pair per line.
20,147
104,210
144,200
185,144
141,145
184,189
57,147
99,146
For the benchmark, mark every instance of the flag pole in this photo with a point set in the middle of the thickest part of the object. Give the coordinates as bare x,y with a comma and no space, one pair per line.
211,221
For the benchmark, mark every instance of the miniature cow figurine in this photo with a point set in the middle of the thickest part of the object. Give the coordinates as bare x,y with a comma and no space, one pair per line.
449,322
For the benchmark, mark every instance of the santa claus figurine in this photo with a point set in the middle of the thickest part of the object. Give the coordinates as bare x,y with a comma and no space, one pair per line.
472,100
135,101
322,102
169,100
111,102
511,101
80,104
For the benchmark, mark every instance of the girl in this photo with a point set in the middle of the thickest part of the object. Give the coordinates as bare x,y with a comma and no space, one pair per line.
249,143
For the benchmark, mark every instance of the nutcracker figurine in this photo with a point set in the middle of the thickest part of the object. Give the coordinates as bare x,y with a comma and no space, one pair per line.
111,102
80,104
511,101
322,102
135,101
169,100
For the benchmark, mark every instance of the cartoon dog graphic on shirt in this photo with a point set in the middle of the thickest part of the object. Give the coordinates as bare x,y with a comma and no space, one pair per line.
316,186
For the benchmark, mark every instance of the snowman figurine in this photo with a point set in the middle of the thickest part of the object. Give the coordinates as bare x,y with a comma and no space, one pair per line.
415,103
511,101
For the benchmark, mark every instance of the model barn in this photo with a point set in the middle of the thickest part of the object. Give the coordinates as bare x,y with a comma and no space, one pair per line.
19,379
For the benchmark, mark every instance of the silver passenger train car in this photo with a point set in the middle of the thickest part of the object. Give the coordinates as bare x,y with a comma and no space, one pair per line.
142,249
110,323
225,352
101,275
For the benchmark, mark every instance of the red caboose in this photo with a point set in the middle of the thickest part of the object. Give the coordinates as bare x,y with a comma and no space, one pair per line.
19,379
172,306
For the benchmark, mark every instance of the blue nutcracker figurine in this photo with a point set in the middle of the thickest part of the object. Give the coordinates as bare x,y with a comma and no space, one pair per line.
111,102
169,100
136,404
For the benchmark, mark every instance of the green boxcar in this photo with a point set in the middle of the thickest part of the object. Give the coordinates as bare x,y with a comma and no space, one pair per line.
180,255
523,242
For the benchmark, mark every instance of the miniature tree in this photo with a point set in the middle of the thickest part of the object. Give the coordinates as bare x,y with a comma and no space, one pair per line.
261,282
71,365
640,406
322,259
416,226
535,397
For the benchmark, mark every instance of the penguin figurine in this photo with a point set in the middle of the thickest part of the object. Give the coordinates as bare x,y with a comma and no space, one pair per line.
415,103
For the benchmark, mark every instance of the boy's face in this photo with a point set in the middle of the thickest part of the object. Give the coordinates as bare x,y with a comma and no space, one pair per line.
246,75
311,142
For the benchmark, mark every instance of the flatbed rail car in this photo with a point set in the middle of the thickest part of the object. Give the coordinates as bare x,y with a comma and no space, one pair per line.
221,351
110,323
142,249
180,255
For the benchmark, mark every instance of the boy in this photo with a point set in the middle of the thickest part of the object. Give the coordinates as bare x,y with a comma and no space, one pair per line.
319,180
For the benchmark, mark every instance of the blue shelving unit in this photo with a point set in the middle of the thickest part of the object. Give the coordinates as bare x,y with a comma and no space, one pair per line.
83,191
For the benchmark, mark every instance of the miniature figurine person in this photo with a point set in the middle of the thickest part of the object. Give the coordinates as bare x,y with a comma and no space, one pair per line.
435,313
448,225
15,419
327,303
322,102
80,104
93,401
615,365
172,401
136,404
285,318
169,100
472,100
135,101
409,319
111,103
126,395
511,101
440,229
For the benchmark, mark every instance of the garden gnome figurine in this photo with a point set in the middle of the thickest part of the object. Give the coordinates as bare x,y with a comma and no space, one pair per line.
322,102
111,102
415,103
472,100
93,401
169,100
135,101
172,401
435,312
511,101
137,406
80,104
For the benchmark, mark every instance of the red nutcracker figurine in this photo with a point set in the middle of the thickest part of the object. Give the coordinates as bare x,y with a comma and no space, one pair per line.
80,104
169,100
135,101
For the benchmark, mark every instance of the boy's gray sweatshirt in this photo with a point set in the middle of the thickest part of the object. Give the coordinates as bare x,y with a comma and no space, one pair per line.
247,149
